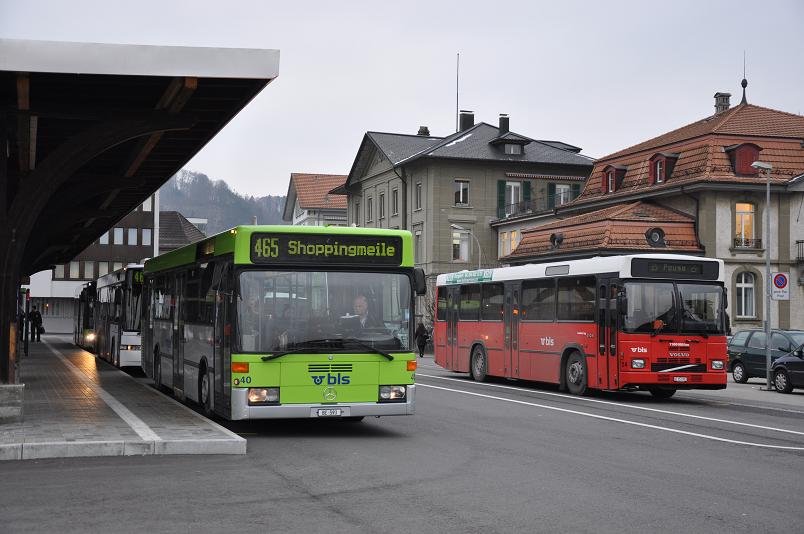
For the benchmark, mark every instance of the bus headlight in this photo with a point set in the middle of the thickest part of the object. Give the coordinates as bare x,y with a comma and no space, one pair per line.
638,364
392,393
263,395
717,364
91,336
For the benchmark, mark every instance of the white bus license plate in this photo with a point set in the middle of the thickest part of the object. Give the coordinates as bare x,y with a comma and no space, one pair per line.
679,379
329,412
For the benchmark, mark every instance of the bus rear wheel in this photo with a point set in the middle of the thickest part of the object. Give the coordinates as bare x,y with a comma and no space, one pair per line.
478,364
662,393
204,390
575,374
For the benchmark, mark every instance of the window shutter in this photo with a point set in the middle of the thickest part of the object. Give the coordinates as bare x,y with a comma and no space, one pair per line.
576,190
551,196
526,191
603,182
501,197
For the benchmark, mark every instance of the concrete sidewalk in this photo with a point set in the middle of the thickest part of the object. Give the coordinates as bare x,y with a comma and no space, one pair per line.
78,405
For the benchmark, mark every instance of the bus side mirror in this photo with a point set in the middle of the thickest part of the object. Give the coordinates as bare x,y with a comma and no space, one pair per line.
622,304
725,298
419,284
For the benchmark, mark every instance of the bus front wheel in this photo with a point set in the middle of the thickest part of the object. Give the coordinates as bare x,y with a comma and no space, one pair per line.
478,366
575,374
204,390
662,393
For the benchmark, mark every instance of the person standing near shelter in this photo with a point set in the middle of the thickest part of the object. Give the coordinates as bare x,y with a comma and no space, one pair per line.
421,338
35,318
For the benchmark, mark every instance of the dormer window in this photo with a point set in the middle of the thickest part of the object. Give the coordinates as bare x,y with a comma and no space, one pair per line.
610,181
613,176
661,167
511,148
742,156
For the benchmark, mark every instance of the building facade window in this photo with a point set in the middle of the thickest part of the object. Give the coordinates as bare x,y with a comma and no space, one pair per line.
610,182
461,190
58,272
417,247
104,239
146,237
117,266
417,201
511,148
74,270
147,205
460,245
118,236
744,225
505,244
745,296
659,171
132,236
356,219
381,205
514,239
103,268
395,202
89,270
563,192
369,206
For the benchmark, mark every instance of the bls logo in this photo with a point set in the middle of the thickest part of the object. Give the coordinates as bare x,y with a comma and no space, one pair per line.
547,341
639,349
332,380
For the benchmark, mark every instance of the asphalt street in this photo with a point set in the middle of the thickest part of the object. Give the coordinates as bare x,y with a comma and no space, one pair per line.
492,457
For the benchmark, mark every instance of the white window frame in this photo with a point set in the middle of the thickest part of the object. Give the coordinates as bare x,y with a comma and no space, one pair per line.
659,170
461,239
740,217
369,214
610,181
563,192
461,192
418,196
381,206
395,201
745,296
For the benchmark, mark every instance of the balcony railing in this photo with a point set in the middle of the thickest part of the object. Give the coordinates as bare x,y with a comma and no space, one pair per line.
535,205
742,242
800,251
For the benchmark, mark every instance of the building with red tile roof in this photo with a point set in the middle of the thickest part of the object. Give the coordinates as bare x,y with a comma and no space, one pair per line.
702,194
310,203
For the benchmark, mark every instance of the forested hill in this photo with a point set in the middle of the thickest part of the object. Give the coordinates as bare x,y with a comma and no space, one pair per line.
193,194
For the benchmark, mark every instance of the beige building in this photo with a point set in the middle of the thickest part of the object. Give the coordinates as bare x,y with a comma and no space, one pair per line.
447,190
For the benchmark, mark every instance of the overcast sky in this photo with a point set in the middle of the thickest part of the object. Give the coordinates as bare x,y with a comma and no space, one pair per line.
599,75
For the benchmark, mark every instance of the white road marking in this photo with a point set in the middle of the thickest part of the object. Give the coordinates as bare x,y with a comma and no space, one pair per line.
622,405
616,420
137,425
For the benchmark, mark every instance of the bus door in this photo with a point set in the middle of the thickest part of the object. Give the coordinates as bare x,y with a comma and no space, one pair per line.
179,339
607,334
451,349
223,331
511,329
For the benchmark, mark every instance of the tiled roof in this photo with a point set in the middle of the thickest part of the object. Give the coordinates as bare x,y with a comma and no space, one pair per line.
702,155
398,147
312,190
617,229
176,231
744,119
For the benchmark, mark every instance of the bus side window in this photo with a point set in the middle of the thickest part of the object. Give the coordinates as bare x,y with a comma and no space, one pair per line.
441,304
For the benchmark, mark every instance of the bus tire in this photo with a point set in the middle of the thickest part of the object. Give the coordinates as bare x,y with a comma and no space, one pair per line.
478,364
204,389
575,373
662,393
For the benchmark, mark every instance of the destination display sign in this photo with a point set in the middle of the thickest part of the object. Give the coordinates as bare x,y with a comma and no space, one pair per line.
288,249
653,268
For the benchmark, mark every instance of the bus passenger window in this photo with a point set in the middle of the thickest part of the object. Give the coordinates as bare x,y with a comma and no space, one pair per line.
470,303
492,303
441,304
539,300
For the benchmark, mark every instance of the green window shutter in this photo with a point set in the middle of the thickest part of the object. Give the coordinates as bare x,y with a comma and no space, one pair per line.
500,198
526,191
551,196
576,190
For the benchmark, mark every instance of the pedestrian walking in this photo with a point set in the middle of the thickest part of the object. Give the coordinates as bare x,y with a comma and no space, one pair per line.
421,338
35,318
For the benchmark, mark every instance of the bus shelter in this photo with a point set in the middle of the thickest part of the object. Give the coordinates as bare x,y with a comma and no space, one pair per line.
88,131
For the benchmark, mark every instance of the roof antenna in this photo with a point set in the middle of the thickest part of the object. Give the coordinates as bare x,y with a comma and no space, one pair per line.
744,83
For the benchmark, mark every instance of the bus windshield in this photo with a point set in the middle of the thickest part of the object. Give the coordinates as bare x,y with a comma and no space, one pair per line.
323,311
692,308
133,303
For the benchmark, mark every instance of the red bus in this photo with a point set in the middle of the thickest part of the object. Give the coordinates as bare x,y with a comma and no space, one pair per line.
654,322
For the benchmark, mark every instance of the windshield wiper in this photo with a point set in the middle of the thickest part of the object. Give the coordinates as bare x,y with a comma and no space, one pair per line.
316,346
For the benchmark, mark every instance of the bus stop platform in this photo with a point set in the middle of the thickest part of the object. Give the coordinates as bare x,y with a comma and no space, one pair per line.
78,405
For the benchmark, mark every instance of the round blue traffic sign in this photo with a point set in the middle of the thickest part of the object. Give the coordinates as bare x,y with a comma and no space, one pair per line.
780,280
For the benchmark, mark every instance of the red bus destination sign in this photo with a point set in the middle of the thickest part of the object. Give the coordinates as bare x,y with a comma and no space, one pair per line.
325,249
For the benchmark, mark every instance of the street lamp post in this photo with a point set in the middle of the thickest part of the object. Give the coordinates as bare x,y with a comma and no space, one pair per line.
766,169
479,250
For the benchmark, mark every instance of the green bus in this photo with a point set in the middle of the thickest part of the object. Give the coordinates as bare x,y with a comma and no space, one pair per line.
285,322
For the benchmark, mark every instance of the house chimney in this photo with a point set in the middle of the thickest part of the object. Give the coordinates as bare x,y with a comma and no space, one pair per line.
467,119
424,130
722,102
503,123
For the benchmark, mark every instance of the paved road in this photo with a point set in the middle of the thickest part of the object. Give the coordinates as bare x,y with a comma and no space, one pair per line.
496,457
